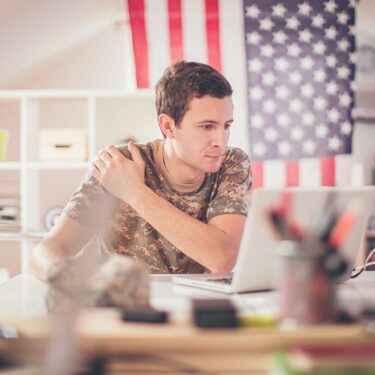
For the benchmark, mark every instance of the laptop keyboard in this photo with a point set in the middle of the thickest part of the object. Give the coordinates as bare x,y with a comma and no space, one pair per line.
222,280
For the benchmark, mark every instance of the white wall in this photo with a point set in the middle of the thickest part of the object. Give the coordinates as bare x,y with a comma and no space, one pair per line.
126,117
96,62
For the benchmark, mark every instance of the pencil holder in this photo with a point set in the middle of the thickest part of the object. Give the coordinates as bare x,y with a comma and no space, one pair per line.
307,294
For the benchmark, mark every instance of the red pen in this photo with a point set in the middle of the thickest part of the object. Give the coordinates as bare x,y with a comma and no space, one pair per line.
343,226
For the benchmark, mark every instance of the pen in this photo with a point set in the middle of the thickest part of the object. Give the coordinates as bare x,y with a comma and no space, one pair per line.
284,227
342,228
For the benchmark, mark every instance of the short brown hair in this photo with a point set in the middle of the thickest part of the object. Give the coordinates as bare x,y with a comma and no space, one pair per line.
183,81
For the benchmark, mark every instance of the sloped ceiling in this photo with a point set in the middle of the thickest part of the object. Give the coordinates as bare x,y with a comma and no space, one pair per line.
35,30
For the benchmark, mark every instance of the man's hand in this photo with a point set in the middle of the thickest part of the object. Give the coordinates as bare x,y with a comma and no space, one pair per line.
120,176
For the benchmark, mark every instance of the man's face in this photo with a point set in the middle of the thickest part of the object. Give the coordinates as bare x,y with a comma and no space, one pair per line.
202,137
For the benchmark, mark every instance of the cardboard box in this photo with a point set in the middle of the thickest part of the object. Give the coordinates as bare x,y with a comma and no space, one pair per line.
68,144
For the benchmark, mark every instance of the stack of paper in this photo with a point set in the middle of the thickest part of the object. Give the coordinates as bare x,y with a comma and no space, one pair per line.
9,214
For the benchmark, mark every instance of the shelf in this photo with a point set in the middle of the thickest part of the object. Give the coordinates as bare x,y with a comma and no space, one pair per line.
44,165
10,165
40,94
361,114
57,165
21,236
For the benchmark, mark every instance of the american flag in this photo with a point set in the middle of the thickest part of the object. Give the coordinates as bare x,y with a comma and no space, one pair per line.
300,57
297,58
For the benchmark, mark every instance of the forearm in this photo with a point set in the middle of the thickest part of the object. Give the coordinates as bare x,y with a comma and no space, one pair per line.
46,253
206,244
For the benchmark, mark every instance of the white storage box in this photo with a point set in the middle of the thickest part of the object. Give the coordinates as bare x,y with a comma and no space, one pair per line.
66,144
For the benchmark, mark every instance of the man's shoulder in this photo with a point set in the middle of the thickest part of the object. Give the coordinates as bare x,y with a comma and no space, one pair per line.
145,148
236,165
234,155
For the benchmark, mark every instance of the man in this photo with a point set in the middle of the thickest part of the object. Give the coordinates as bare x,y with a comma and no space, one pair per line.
177,204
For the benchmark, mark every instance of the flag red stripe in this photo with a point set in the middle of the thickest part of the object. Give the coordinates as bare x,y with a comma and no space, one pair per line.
213,33
139,38
292,173
257,174
327,166
175,30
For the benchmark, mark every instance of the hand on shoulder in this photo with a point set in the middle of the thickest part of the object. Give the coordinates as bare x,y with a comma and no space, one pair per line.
120,176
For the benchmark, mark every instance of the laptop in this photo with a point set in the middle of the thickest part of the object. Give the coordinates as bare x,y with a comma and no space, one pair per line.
257,262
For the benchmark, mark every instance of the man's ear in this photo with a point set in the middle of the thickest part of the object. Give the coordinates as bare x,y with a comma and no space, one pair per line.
167,125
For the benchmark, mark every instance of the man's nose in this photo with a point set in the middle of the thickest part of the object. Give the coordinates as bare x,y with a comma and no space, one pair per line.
220,138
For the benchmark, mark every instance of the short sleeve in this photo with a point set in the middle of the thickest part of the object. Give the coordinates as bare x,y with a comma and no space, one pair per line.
90,204
234,184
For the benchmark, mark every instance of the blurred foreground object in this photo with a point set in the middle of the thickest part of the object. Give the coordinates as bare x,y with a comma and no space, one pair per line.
307,293
113,281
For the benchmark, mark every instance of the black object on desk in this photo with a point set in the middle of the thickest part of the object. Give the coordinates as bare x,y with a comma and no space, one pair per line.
144,315
214,313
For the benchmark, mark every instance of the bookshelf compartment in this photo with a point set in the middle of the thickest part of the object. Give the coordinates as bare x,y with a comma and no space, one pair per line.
10,205
10,121
52,189
59,114
11,257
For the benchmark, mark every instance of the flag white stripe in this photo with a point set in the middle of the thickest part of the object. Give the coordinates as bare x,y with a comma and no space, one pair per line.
358,174
343,170
194,31
157,31
129,63
310,172
274,173
233,52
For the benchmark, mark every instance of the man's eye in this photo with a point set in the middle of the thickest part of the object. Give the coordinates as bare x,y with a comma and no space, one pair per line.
227,126
207,126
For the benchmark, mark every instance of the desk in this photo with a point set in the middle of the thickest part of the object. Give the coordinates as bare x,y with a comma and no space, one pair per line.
178,343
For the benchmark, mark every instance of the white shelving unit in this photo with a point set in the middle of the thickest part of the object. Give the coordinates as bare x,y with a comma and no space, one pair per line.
108,116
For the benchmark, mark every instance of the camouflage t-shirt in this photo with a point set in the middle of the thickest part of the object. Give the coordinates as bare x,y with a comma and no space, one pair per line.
123,231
